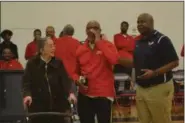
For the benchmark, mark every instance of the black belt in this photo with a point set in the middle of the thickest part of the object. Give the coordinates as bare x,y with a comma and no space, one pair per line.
155,84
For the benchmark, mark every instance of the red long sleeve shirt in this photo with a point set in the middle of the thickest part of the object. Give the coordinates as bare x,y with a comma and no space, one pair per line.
124,44
66,51
96,65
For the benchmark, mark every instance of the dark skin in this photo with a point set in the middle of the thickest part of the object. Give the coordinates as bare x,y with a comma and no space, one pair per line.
145,26
124,28
7,54
7,38
50,31
37,35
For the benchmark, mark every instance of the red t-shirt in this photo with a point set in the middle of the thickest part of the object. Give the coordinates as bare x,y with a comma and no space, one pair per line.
11,65
124,44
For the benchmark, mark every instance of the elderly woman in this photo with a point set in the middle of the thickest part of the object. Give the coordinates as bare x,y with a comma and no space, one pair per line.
46,86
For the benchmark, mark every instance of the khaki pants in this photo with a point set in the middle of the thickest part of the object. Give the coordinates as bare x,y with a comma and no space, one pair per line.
154,103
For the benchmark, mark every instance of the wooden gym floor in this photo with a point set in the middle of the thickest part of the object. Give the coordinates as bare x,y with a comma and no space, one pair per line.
129,114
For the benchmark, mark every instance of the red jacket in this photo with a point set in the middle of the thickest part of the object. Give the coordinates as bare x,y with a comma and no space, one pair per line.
66,51
182,51
124,45
11,65
31,50
96,65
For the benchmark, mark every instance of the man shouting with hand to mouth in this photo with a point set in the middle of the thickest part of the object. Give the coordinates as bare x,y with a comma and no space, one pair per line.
95,76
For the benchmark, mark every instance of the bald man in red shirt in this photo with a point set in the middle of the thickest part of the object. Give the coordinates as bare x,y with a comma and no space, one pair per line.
95,60
66,49
8,63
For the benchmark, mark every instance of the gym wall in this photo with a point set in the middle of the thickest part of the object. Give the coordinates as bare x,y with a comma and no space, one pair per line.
23,17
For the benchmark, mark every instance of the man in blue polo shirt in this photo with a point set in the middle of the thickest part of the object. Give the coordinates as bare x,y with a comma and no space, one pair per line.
154,59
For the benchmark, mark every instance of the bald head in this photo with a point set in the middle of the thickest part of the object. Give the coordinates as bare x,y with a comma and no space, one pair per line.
50,28
50,31
68,30
93,23
145,23
146,16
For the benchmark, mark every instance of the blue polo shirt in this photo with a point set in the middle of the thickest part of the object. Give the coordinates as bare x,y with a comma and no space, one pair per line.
152,53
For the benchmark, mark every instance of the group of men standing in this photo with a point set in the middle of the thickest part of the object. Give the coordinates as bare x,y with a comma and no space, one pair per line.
152,54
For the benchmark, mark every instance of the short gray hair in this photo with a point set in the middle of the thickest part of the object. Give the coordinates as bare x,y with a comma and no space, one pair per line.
68,30
41,42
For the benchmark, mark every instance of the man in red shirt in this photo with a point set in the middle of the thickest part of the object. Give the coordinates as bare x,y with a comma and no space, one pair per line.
8,62
66,49
124,42
95,60
50,32
125,46
31,48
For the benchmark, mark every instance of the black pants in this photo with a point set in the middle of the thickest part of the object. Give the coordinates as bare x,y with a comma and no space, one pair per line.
89,107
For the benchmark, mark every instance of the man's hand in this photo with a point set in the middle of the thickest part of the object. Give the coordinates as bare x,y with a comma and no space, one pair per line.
72,98
81,82
97,34
82,85
147,75
27,101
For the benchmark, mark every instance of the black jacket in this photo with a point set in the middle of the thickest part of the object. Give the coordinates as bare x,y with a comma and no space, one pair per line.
47,95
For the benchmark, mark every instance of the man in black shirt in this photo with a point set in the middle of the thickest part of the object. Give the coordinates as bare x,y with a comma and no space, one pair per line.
154,58
6,36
